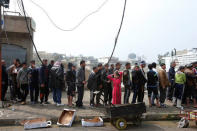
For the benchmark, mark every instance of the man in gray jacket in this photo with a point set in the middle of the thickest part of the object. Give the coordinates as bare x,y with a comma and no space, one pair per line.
22,80
80,83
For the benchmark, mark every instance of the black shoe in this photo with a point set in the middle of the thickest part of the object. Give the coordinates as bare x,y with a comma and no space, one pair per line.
47,102
81,107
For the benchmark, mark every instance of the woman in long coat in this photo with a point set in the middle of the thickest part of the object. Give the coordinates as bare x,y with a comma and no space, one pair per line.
116,93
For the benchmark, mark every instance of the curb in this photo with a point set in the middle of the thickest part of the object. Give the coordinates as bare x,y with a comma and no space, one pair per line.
160,117
145,117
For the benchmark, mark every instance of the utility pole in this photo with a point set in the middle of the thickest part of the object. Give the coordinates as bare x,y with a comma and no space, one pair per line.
4,3
1,103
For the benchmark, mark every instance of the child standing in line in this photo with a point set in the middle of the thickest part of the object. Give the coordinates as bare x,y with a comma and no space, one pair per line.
116,93
180,79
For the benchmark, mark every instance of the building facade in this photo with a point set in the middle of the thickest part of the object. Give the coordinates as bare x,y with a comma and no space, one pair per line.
182,58
15,39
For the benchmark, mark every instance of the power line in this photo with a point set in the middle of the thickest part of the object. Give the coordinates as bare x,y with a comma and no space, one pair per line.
20,8
76,26
30,36
117,36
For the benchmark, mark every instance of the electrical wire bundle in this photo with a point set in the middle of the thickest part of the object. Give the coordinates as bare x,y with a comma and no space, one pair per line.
117,36
21,5
30,36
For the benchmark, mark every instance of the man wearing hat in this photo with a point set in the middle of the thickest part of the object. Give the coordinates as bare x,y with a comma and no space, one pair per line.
127,82
163,84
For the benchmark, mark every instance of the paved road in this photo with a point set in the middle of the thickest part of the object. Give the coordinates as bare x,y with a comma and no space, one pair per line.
146,126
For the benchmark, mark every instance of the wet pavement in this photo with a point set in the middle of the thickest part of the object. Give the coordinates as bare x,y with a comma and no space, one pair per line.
146,126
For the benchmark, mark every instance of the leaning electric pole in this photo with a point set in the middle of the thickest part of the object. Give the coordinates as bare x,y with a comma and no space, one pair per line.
1,103
4,3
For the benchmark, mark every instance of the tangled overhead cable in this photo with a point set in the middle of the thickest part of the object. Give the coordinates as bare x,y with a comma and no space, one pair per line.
77,25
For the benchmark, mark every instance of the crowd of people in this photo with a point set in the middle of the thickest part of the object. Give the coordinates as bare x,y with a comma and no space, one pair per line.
179,87
23,80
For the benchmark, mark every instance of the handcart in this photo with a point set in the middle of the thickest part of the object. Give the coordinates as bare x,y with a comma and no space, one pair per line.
186,116
120,115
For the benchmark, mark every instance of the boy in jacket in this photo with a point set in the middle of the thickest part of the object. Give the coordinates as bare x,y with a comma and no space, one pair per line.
127,81
180,80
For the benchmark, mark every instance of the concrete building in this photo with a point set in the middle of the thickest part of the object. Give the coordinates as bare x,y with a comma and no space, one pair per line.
104,60
15,39
182,57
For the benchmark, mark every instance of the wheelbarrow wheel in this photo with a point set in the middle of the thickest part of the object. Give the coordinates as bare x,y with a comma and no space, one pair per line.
121,124
187,125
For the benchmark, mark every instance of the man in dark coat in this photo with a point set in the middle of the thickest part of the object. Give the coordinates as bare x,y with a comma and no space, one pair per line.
44,82
138,81
49,68
171,77
118,66
34,82
4,80
111,70
135,82
81,81
127,82
92,85
99,84
71,79
143,81
106,85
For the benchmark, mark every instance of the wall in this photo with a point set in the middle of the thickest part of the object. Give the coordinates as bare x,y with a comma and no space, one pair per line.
15,27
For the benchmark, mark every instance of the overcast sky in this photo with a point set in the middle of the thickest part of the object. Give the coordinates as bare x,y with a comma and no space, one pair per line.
150,26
